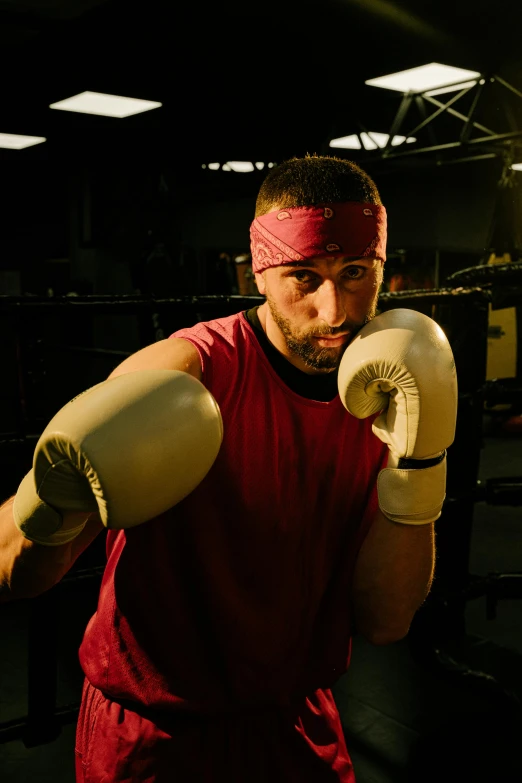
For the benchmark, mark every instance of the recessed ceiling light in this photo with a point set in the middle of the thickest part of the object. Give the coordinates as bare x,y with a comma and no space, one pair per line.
12,141
517,166
425,77
214,166
104,105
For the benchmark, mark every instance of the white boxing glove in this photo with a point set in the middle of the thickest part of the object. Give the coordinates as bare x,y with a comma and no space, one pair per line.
129,448
401,364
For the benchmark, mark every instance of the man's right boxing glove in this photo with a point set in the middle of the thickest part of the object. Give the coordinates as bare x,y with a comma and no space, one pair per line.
129,448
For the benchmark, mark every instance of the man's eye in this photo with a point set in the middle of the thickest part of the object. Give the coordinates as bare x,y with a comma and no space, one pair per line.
301,277
354,272
351,272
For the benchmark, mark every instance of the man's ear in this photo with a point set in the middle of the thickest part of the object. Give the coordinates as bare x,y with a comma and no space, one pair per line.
260,282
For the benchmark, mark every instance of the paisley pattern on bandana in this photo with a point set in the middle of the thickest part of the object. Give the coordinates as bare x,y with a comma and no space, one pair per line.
349,229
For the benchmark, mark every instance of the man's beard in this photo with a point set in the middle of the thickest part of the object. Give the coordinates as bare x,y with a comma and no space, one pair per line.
303,345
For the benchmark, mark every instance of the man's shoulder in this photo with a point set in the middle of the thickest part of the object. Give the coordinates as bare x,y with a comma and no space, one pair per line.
227,327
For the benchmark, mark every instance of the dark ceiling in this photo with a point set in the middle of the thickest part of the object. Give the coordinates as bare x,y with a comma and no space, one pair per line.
237,79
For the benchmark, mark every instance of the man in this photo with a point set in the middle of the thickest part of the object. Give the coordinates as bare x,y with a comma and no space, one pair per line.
260,511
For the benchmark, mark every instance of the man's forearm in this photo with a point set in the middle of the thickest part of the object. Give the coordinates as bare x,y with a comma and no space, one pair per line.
392,578
28,569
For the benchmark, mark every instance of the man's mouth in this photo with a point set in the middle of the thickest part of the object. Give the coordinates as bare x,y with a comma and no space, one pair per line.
331,342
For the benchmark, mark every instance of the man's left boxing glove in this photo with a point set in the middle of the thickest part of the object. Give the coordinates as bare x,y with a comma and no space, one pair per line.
129,448
401,364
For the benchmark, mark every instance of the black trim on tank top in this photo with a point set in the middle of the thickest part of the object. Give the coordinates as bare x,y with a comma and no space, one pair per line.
322,388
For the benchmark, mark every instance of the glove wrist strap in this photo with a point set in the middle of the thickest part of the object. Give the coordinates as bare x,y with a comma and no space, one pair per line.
411,496
406,463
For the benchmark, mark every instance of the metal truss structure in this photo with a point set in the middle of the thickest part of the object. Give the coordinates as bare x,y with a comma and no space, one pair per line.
475,141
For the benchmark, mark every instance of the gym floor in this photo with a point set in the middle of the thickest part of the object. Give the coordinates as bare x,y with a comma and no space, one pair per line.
405,722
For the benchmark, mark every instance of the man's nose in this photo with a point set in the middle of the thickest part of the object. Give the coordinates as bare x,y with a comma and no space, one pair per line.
329,304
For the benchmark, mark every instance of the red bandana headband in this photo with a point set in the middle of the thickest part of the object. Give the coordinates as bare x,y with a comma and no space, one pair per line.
342,229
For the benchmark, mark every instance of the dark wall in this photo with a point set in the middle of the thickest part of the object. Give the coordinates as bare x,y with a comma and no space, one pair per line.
448,208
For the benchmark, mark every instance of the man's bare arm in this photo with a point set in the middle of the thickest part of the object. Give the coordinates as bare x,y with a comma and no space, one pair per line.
393,576
28,569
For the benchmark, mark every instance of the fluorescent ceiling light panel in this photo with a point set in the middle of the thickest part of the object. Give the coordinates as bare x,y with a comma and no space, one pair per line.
454,88
374,140
240,165
12,141
425,77
237,165
346,142
371,141
401,139
104,105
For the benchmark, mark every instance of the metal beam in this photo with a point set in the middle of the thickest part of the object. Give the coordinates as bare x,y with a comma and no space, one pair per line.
466,159
398,119
443,107
466,130
460,116
421,106
455,144
507,85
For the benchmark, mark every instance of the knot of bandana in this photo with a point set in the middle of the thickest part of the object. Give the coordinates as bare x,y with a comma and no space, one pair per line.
346,228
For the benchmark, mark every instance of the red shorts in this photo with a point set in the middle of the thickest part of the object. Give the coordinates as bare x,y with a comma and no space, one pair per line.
304,745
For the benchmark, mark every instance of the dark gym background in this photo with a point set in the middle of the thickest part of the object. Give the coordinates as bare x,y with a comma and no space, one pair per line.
116,232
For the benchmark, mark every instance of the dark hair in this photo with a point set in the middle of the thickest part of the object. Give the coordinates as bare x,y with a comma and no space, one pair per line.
315,179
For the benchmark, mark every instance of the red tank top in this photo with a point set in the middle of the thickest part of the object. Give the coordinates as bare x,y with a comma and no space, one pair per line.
240,595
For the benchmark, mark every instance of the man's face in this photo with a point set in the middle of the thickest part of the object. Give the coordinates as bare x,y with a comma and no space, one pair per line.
317,299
